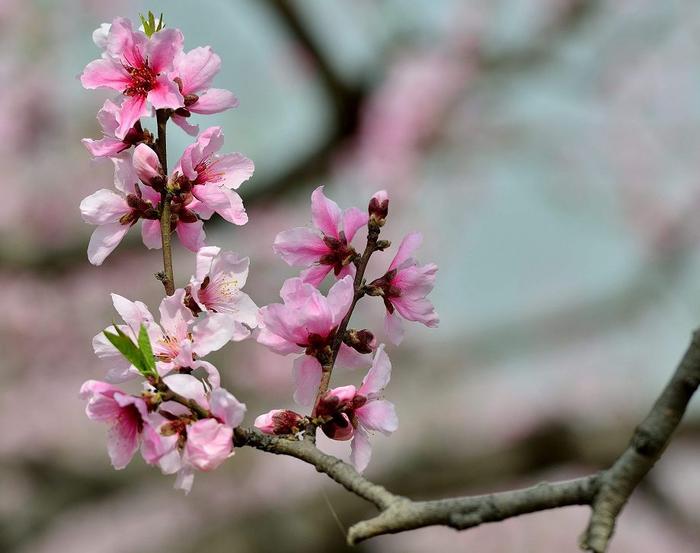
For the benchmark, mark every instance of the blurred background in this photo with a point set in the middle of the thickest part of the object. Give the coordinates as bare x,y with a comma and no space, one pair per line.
547,149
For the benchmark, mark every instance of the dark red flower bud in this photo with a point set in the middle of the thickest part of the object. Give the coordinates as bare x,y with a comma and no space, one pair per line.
379,207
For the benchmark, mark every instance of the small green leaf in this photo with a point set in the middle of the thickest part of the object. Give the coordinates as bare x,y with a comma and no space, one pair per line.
127,348
150,26
146,350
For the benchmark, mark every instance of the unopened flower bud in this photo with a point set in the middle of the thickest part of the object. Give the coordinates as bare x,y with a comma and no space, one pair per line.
279,421
379,207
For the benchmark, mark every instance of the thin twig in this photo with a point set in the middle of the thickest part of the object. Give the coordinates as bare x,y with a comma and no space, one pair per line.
358,292
167,277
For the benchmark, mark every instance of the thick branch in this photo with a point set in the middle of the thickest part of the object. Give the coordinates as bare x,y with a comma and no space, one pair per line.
646,446
466,512
607,492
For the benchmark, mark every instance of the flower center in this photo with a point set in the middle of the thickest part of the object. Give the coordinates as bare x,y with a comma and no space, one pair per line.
143,80
206,172
340,255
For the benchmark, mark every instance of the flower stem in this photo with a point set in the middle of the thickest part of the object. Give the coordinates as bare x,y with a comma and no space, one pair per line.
358,287
166,277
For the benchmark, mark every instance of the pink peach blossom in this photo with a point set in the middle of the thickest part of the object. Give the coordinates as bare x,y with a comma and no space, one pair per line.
189,229
115,213
136,66
213,178
326,247
109,145
404,289
355,413
306,323
178,444
124,413
179,341
193,72
216,287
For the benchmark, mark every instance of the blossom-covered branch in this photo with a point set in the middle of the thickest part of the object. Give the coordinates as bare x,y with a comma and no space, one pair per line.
183,420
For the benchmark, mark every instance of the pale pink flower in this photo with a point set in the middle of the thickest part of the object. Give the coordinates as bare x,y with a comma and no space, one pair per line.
306,323
115,213
356,413
109,145
179,341
124,413
134,314
216,287
177,444
226,408
208,444
327,246
136,66
193,73
212,178
184,221
404,289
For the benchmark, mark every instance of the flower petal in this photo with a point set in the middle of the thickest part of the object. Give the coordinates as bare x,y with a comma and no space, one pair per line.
408,245
150,234
104,240
300,246
307,378
211,333
103,206
225,406
378,376
146,164
214,100
378,415
191,235
165,94
340,298
325,213
353,219
197,68
131,110
360,450
393,328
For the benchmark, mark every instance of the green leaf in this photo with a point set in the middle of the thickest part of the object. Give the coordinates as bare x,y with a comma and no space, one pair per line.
146,350
127,348
140,356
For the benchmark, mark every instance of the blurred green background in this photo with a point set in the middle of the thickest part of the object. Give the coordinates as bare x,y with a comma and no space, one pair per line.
547,149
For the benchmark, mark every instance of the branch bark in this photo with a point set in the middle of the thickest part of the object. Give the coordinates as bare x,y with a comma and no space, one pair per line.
648,443
607,492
